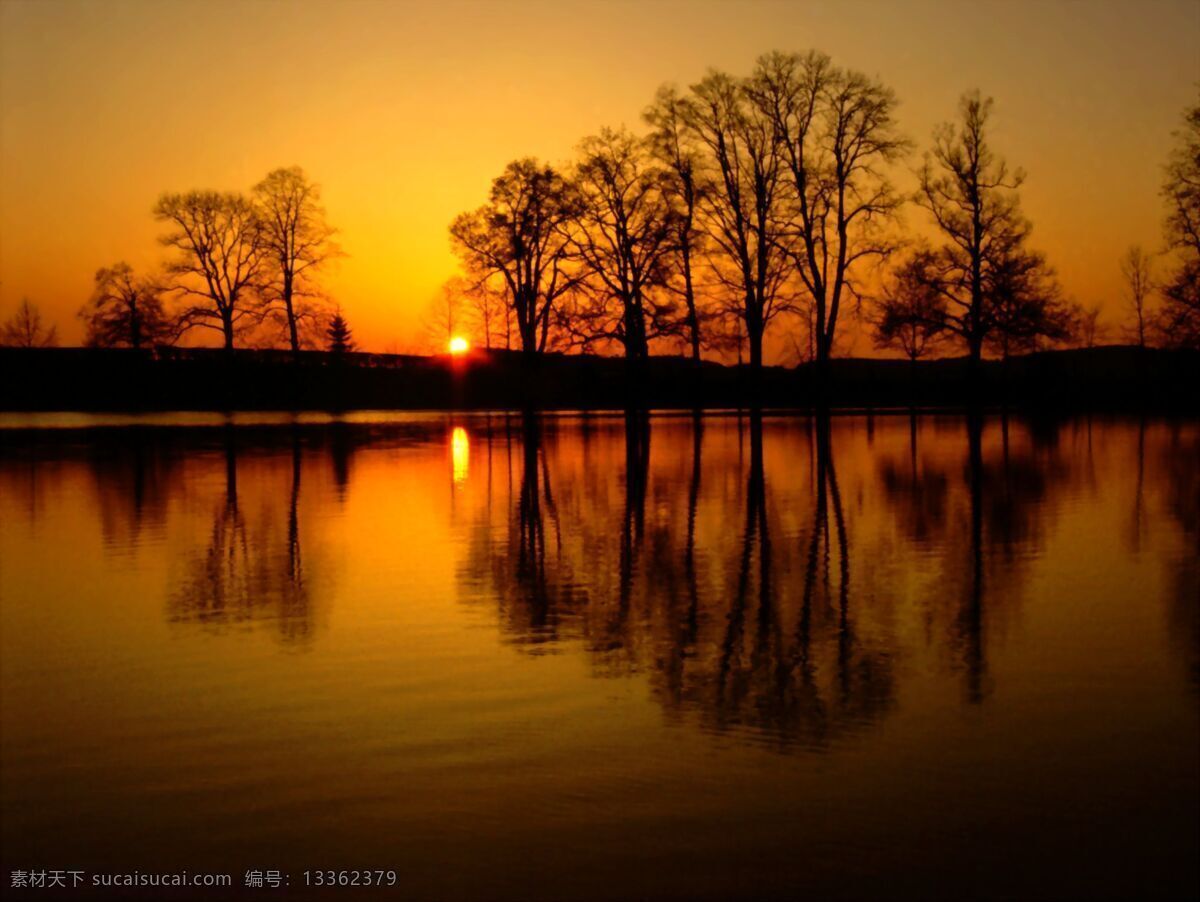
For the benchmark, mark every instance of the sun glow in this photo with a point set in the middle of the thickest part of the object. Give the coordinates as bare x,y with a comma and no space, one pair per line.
459,345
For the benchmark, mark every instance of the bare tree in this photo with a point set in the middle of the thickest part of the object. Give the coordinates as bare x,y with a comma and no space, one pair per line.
125,310
444,319
911,312
297,241
983,265
1026,304
1023,304
837,136
741,211
521,237
1088,329
221,248
470,307
622,237
1137,271
1180,315
683,188
489,313
24,329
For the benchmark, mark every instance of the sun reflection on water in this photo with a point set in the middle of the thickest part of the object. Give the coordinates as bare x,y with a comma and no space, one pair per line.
460,453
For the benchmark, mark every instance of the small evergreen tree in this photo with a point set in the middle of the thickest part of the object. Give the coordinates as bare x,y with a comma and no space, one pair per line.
341,339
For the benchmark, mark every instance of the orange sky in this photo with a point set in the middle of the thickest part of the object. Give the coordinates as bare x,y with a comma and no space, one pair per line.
405,111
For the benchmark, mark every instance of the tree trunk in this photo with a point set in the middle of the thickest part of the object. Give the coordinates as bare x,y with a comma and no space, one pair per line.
975,349
754,337
822,371
527,327
292,333
525,324
689,297
974,367
291,314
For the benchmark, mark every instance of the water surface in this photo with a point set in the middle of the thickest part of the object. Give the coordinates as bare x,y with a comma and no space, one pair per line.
606,656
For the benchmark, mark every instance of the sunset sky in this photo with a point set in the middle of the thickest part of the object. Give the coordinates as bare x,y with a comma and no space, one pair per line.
403,112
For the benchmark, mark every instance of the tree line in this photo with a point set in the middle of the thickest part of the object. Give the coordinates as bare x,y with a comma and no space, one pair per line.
771,197
745,201
240,265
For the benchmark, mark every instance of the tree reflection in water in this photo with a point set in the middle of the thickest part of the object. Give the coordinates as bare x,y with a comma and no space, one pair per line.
743,630
758,571
251,568
1180,491
785,625
133,475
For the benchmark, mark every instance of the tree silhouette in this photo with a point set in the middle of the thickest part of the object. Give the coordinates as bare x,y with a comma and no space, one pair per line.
622,237
445,314
1087,325
491,316
478,309
911,312
985,274
837,134
1180,317
741,210
683,188
1137,271
338,334
520,237
297,241
24,329
125,310
1026,303
221,249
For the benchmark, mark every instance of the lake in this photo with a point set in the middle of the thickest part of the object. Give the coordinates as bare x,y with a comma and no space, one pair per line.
604,656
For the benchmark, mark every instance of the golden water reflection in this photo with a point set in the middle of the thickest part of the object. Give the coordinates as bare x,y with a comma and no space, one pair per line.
775,595
587,632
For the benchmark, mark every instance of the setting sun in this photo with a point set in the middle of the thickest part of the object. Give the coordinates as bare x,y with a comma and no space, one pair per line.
459,345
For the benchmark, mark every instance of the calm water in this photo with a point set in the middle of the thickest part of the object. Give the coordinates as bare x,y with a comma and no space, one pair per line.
600,657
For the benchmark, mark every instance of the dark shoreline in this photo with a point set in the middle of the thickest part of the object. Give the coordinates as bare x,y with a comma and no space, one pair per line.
1107,379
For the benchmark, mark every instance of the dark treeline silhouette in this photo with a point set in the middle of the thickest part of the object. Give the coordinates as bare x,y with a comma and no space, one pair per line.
1112,378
